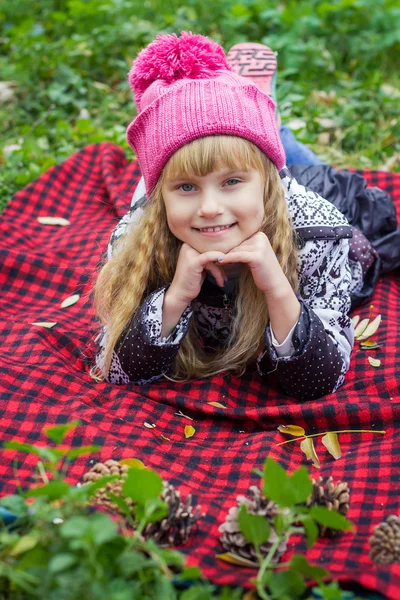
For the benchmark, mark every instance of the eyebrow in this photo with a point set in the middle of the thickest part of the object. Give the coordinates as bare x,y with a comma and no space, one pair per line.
222,173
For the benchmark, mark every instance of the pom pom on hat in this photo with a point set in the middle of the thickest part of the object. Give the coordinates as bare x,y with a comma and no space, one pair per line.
171,58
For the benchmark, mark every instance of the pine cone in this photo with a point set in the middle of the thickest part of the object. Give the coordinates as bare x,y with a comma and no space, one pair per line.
385,542
233,539
174,529
334,497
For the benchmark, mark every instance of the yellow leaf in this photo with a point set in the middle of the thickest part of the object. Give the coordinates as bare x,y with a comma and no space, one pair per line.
374,362
355,320
307,446
217,404
361,327
165,438
53,221
44,324
370,329
189,431
234,559
292,430
70,301
331,443
132,462
369,345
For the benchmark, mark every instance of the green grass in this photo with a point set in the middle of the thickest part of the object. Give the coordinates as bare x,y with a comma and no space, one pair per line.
67,61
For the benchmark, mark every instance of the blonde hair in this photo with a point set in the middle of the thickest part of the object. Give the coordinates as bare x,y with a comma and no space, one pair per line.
145,258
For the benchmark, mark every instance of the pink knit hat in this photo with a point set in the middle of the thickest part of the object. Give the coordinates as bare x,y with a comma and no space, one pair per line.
184,89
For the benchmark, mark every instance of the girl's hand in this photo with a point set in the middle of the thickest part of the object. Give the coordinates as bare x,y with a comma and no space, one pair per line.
191,271
258,254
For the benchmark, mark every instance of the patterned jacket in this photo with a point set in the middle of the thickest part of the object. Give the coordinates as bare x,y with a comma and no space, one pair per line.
315,356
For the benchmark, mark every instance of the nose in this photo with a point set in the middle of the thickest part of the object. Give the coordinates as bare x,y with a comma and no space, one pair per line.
209,205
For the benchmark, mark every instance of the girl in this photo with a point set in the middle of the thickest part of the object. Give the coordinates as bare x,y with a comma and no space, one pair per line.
227,260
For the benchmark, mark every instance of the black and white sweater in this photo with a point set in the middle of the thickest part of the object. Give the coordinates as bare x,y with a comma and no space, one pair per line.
314,358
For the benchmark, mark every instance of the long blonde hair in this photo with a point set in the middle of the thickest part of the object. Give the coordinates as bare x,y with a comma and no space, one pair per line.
145,258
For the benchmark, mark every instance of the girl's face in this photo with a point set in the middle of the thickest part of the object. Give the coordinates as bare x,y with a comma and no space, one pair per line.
230,199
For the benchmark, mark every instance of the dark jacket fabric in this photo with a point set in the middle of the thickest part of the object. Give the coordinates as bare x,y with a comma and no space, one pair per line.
369,210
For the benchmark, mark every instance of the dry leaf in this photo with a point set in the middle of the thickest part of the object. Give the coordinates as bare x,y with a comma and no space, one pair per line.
370,345
165,438
132,462
370,329
374,362
307,446
361,327
217,404
70,301
355,320
331,443
180,414
189,431
45,324
234,559
53,221
292,430
149,425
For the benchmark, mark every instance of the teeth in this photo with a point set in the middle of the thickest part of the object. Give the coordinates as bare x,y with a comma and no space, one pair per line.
214,228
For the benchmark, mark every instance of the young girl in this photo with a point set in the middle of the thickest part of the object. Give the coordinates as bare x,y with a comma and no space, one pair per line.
226,261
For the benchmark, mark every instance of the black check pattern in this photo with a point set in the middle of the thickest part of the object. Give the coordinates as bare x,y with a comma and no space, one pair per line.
44,380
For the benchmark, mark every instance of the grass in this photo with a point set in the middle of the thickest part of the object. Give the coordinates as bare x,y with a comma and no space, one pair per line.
64,65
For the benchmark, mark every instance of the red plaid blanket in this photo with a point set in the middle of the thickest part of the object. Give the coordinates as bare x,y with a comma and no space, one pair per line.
44,380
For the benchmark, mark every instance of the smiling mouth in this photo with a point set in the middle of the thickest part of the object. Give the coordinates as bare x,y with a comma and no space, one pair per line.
216,228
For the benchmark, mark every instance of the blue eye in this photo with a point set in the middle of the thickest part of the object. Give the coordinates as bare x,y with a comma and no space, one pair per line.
186,185
233,179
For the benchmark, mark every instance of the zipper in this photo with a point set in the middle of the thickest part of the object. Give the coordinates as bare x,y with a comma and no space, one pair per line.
226,313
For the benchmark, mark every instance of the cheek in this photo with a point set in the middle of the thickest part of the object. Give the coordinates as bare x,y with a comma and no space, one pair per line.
177,219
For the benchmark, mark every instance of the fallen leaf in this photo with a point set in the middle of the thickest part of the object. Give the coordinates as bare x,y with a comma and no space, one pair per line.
374,362
217,404
132,462
361,327
355,320
180,414
44,324
370,345
307,446
331,443
370,329
234,559
292,430
149,425
53,221
70,301
189,431
165,438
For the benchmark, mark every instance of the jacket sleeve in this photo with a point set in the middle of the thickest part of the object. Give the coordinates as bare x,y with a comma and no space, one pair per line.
323,336
141,355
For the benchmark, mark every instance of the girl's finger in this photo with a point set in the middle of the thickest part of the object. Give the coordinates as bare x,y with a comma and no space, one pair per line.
217,272
232,257
209,257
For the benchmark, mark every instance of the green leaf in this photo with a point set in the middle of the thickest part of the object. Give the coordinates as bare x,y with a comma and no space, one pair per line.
44,452
287,584
74,527
75,452
312,530
131,562
300,563
255,528
190,573
25,543
15,504
141,485
62,562
154,509
52,490
301,484
103,528
330,518
120,502
89,489
58,432
277,484
329,591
